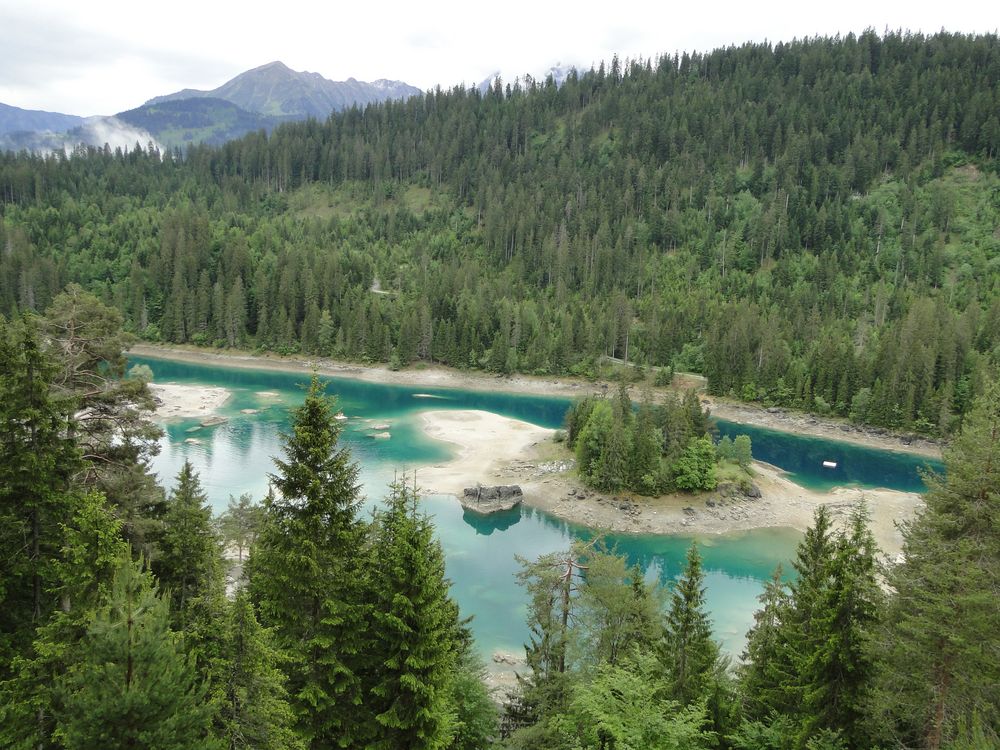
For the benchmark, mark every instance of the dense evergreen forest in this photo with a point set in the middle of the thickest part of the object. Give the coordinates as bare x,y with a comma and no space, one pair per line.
810,224
119,628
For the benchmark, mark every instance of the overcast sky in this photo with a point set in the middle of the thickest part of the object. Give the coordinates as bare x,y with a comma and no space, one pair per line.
106,56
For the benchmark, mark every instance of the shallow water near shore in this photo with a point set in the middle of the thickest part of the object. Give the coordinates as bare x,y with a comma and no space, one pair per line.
235,457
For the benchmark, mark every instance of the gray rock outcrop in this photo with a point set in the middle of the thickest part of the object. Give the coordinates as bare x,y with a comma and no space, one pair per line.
480,499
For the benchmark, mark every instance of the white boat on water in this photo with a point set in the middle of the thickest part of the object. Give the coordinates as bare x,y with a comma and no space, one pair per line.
830,464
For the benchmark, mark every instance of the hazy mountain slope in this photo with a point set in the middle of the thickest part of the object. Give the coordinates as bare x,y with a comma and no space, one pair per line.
198,120
277,90
15,119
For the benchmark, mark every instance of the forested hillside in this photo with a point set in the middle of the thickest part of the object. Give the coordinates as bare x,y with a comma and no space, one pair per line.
117,629
811,224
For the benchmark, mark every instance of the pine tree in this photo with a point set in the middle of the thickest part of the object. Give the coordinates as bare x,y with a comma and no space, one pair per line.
305,573
91,549
190,561
133,685
763,672
553,586
37,460
690,656
647,446
415,634
112,428
191,572
254,710
618,612
942,632
839,675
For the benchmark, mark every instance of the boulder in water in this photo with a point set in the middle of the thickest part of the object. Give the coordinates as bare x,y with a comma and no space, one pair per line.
485,500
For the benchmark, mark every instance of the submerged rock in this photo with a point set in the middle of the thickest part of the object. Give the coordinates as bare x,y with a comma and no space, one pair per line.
380,435
213,421
484,500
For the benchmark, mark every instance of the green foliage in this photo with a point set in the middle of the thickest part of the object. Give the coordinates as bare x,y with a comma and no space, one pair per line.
760,672
306,572
623,707
133,685
253,712
943,624
413,645
810,657
37,461
190,558
616,450
837,245
240,523
474,724
694,469
112,427
91,549
690,656
742,451
618,613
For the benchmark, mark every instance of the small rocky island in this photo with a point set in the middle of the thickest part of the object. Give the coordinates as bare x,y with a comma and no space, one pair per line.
486,500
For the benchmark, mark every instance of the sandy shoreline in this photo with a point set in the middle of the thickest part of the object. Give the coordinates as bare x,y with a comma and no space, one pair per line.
487,445
498,450
175,401
443,377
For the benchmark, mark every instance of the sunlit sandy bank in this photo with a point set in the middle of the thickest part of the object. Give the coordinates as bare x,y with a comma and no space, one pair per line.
187,401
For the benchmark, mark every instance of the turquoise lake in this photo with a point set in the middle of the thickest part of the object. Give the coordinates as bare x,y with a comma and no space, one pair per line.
235,458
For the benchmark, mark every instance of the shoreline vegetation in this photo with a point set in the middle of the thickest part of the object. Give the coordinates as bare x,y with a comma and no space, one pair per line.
492,449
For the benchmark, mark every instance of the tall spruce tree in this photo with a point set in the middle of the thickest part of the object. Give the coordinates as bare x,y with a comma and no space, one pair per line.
942,636
253,711
133,686
37,460
191,573
804,630
839,674
690,656
763,672
415,638
305,573
190,560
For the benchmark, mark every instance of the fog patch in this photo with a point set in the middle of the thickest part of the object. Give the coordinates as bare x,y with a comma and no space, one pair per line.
97,132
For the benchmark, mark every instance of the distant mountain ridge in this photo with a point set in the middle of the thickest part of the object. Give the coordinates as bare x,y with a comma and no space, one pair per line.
276,90
15,120
257,99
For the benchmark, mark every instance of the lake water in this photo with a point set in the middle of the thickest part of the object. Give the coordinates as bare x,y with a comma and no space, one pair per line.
235,458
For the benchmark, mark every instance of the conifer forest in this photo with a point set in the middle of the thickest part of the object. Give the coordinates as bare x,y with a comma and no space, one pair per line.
812,225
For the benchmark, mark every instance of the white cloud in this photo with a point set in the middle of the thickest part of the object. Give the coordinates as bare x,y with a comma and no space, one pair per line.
107,56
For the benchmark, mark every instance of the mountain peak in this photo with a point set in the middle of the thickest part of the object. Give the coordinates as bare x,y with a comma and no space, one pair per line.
275,90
